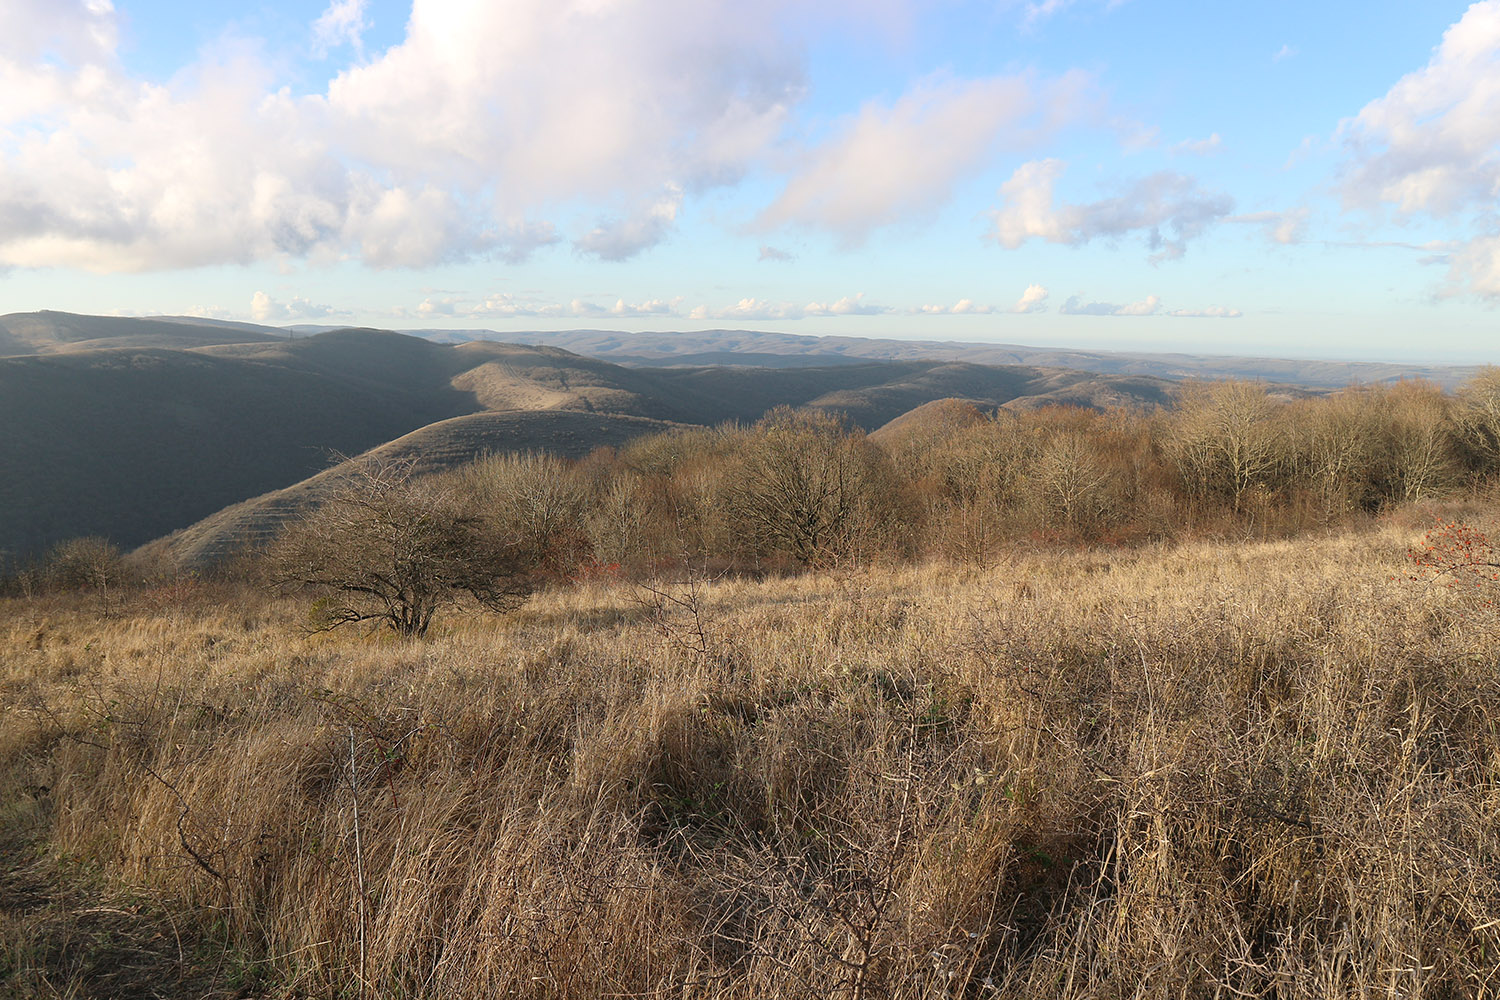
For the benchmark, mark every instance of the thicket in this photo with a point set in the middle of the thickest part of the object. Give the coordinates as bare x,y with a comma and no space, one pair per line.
806,489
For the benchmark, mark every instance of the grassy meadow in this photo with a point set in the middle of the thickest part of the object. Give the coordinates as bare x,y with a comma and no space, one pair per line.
1206,769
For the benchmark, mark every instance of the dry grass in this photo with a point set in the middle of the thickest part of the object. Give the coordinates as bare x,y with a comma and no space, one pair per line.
1264,770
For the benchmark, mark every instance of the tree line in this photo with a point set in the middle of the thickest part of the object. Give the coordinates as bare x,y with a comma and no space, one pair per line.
805,489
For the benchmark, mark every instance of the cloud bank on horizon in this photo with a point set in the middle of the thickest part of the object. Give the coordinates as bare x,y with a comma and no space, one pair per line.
712,159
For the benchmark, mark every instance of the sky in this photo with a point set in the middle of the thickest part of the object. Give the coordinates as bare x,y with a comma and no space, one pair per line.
1291,179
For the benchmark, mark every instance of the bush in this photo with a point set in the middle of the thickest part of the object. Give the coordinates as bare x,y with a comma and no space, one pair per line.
810,488
90,563
387,547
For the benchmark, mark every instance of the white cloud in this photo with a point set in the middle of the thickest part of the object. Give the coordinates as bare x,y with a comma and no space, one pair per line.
1040,10
80,32
343,23
1075,306
1200,147
208,312
1212,312
1285,228
484,114
963,307
1431,144
1169,208
651,307
760,309
773,254
1285,52
621,239
891,162
1474,268
1033,300
854,305
507,306
267,310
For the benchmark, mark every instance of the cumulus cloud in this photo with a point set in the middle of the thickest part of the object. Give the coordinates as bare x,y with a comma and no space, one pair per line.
1075,306
891,162
1033,300
482,114
267,310
1474,268
1431,145
760,309
621,239
963,307
505,305
1169,208
1039,10
343,23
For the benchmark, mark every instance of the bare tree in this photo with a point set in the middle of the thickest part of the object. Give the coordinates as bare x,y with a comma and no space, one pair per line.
1226,440
90,563
388,547
1073,487
811,488
1420,457
1337,439
1478,418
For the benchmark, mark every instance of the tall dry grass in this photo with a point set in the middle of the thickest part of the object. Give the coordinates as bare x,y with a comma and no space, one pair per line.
1204,771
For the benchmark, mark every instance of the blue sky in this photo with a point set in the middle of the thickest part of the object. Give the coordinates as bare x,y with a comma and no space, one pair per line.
1277,178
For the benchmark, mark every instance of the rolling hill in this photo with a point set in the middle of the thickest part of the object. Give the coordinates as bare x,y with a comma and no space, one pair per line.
50,332
441,445
136,440
780,350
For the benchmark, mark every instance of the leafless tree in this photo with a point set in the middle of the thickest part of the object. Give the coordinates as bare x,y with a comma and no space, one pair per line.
388,547
1478,417
810,487
1226,440
1419,443
90,563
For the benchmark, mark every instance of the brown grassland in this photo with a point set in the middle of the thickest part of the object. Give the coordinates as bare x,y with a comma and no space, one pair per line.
1203,769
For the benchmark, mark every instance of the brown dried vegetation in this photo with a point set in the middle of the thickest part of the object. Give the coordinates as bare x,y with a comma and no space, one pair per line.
1265,770
1250,766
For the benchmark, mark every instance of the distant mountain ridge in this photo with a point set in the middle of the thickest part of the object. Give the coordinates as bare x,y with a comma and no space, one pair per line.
731,347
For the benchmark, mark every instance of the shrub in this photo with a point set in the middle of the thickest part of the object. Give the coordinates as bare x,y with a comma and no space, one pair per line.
90,563
390,548
809,487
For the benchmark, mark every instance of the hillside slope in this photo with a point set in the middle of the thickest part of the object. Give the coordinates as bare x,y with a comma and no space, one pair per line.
438,446
50,332
133,442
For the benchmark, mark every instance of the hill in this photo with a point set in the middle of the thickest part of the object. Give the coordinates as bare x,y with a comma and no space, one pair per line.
747,347
441,445
135,440
50,332
131,444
